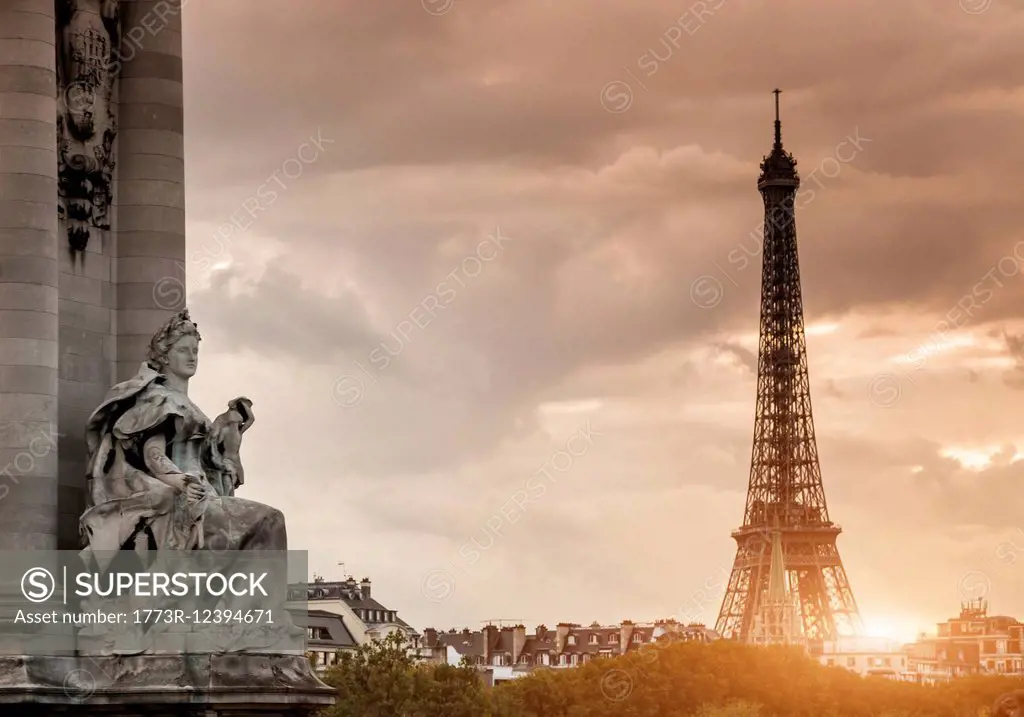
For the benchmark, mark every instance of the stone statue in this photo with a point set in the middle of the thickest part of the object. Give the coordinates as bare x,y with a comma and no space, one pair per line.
152,454
162,478
226,472
88,52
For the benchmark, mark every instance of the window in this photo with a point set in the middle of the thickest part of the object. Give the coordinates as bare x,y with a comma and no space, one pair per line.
562,660
637,637
545,658
593,639
574,659
572,639
613,639
496,660
524,659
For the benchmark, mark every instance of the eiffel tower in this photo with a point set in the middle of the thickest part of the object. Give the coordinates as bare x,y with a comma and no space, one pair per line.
785,500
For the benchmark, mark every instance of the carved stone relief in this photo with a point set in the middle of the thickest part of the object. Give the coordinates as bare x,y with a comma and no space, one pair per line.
88,50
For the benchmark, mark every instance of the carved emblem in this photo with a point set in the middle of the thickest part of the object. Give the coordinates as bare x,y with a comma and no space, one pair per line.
88,46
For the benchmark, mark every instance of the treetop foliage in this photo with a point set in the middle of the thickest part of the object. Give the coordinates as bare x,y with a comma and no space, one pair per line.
723,679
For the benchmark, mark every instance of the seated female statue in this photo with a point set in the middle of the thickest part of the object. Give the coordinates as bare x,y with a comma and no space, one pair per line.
161,474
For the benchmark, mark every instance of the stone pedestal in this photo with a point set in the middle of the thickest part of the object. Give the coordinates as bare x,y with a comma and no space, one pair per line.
240,685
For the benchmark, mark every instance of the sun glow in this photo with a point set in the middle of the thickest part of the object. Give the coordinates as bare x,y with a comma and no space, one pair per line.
973,459
821,329
935,346
898,628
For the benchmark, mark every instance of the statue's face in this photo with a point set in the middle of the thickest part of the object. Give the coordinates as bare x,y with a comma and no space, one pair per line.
183,358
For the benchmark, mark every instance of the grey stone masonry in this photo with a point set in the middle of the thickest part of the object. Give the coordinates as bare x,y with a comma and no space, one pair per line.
151,179
72,324
108,301
29,348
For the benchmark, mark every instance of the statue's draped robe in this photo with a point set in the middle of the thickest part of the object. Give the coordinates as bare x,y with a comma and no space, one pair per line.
126,501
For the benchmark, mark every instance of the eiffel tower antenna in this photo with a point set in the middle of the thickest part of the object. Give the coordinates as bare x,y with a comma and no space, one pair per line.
778,122
786,507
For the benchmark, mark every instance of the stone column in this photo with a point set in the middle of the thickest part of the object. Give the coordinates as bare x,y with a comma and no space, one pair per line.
28,275
150,198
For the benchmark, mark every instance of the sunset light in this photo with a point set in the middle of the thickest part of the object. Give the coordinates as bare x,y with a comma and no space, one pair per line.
972,459
637,359
902,629
821,329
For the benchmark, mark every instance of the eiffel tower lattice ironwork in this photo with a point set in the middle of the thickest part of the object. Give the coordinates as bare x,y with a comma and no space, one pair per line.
785,497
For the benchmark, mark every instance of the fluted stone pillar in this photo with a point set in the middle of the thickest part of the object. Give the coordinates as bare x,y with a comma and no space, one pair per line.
28,275
151,179
107,308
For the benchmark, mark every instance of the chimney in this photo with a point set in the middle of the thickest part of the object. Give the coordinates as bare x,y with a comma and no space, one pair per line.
625,633
541,632
560,635
430,637
518,642
364,588
490,640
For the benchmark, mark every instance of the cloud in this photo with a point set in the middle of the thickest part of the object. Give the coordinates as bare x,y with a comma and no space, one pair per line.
447,129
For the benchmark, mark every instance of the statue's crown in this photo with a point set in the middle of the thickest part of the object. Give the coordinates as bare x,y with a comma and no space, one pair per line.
180,323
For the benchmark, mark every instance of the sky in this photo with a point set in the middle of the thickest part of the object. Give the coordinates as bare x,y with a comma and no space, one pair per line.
490,274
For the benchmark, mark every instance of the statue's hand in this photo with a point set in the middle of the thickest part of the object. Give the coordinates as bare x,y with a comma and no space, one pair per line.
230,474
194,493
195,489
243,407
176,481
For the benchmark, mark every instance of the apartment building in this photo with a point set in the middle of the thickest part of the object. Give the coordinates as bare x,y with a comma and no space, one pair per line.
508,651
972,643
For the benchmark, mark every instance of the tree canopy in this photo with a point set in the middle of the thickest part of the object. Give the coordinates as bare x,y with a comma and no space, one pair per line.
723,679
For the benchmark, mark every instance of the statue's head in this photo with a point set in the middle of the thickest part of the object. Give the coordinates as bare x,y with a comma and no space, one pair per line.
174,349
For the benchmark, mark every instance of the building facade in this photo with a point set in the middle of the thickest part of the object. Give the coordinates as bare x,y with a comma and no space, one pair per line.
327,637
972,643
365,618
505,652
867,656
